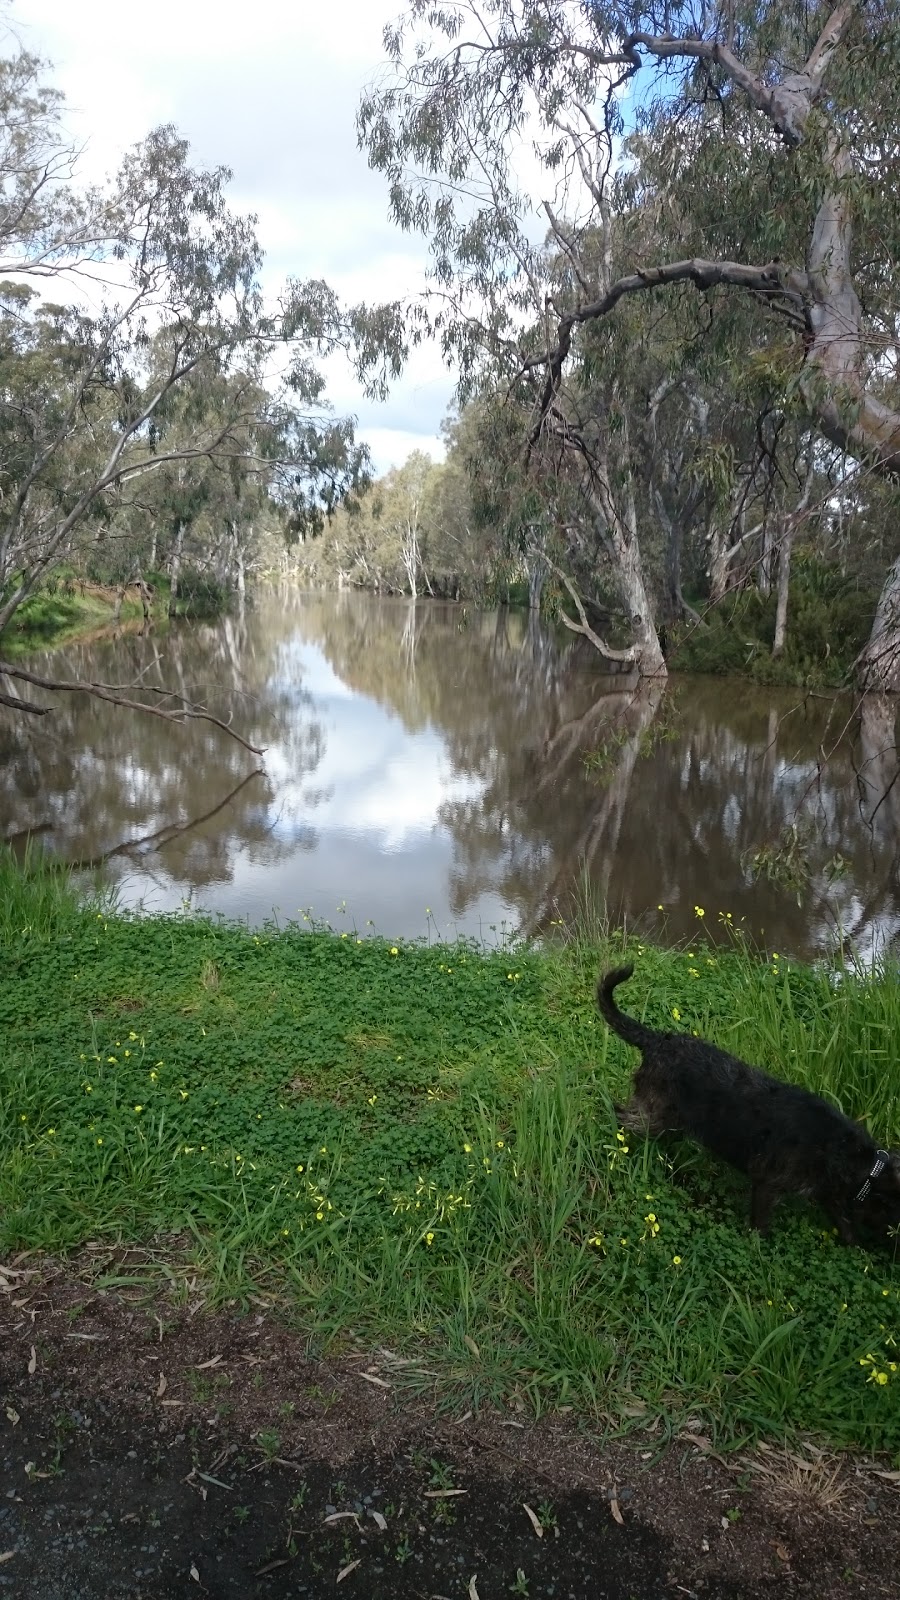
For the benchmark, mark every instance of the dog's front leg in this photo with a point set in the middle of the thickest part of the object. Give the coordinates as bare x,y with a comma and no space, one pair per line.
845,1230
763,1197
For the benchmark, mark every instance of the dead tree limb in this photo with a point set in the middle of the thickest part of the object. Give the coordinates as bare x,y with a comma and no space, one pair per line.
117,695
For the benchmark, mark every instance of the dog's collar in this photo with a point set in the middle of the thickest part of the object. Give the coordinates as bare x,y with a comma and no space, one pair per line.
881,1161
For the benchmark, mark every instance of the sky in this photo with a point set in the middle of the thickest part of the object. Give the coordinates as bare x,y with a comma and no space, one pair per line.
269,90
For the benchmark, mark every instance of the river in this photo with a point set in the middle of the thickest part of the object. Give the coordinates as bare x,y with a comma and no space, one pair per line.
432,770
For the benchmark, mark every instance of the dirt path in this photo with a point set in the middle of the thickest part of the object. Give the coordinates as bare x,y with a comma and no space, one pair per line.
159,1450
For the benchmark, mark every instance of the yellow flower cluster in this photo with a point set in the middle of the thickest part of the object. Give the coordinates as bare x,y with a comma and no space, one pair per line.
428,1197
879,1372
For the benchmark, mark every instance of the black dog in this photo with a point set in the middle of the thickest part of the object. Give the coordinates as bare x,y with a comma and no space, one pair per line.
785,1139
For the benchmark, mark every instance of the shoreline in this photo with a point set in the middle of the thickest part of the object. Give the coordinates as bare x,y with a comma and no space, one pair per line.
23,641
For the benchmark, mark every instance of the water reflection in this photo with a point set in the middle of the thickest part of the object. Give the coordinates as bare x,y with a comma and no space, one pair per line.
475,764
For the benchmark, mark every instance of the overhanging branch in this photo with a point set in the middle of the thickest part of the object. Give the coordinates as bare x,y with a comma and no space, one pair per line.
775,281
185,712
583,627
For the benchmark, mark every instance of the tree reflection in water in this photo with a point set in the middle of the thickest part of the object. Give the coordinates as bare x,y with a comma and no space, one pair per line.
476,763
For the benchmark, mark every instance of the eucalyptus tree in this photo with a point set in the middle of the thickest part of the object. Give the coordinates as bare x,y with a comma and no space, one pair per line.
449,131
156,298
764,136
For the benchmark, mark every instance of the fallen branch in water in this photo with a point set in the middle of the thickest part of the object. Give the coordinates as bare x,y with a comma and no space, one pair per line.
115,694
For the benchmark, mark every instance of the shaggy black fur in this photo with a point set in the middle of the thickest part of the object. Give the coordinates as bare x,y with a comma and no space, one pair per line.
785,1139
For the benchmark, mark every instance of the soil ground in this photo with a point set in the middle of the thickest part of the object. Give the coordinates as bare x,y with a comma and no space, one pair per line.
151,1447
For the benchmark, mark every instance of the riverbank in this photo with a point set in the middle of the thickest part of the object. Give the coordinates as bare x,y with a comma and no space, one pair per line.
418,1144
829,623
67,609
63,610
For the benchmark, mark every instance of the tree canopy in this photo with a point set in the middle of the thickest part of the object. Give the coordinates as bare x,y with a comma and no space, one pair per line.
643,218
148,391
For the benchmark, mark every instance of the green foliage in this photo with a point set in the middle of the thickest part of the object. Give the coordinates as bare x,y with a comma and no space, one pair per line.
829,617
420,1143
633,401
38,901
152,446
60,608
46,614
201,595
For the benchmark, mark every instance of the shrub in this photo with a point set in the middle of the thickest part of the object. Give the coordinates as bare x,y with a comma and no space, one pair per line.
828,623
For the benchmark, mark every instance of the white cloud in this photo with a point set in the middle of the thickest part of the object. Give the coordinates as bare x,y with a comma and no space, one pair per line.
270,91
376,781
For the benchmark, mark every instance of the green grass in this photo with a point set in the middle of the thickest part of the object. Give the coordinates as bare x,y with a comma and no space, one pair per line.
57,613
62,610
417,1145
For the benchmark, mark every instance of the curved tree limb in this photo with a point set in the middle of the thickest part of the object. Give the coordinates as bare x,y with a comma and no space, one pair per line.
583,626
786,104
774,280
117,696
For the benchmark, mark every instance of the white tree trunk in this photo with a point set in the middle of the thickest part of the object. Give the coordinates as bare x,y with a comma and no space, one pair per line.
175,568
536,567
409,550
784,581
878,663
767,559
619,517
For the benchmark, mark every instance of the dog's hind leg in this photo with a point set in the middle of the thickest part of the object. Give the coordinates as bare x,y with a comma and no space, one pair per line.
634,1117
631,1116
641,1118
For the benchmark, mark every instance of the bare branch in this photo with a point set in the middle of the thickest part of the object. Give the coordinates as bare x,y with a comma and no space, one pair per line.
775,282
16,704
569,244
584,627
186,712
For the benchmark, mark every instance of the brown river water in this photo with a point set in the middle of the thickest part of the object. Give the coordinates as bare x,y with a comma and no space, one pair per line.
431,770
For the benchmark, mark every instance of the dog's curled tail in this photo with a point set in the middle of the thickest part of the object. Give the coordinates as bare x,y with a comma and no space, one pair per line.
628,1028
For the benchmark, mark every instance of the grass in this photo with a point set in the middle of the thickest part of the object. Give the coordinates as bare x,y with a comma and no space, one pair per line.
59,611
65,607
417,1145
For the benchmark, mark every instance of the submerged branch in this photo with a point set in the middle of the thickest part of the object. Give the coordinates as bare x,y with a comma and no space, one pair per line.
117,696
583,626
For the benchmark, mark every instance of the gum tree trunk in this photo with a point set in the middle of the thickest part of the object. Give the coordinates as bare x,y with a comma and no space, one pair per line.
878,663
175,568
783,587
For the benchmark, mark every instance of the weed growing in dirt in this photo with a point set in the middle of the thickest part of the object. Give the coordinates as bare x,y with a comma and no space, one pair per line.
419,1145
